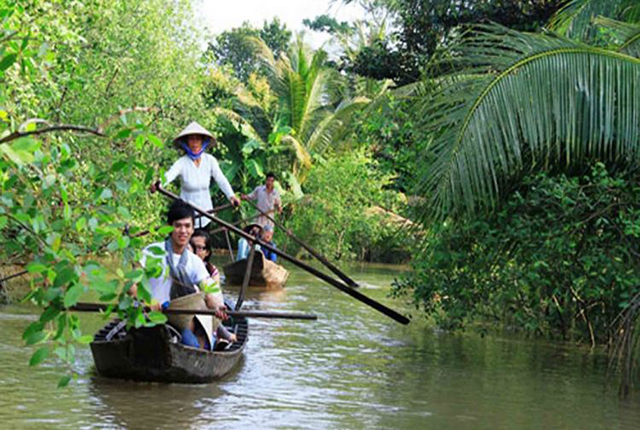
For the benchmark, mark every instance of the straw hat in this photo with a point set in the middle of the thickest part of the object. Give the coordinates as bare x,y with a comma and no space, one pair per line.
193,128
193,301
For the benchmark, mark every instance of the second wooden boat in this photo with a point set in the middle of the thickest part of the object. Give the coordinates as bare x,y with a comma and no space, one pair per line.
264,273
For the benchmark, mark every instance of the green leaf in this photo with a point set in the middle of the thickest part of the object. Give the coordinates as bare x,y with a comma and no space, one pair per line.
11,154
39,356
157,317
123,242
118,165
64,381
103,286
36,338
3,221
81,223
33,328
72,295
106,194
164,230
7,61
254,168
36,268
85,340
140,141
124,133
155,141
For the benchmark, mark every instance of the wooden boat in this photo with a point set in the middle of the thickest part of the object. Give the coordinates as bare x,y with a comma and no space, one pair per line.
155,354
264,273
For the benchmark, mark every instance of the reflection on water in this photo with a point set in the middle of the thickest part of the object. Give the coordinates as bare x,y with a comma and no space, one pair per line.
351,369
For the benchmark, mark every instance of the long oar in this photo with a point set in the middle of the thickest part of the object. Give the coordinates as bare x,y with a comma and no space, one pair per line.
310,250
334,282
97,307
146,232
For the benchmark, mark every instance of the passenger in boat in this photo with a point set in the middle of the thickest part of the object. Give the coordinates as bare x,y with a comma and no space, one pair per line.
182,272
267,237
267,199
195,169
201,246
243,244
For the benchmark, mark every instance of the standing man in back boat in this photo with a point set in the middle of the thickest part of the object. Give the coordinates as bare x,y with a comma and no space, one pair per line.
267,199
195,169
182,273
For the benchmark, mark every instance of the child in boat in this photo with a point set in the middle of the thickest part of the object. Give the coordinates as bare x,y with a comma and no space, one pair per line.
267,237
201,246
243,244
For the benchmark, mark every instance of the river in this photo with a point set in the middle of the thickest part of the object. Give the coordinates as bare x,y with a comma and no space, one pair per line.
353,368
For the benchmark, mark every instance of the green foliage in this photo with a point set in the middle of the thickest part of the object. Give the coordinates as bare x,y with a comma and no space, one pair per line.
575,18
423,25
512,104
126,71
232,48
559,258
340,214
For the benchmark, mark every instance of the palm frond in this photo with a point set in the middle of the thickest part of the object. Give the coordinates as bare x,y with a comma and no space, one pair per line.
629,34
575,18
542,100
331,129
303,157
237,119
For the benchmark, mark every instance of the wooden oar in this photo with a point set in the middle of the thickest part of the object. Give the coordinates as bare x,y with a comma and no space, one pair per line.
97,307
310,250
146,232
218,230
334,282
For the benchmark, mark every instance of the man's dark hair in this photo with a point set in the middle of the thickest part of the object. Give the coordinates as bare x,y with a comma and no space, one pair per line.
179,210
271,175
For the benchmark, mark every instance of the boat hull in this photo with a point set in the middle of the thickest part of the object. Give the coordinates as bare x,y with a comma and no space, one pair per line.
153,354
264,273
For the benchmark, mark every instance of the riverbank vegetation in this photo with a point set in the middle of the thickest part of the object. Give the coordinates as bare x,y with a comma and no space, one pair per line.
493,144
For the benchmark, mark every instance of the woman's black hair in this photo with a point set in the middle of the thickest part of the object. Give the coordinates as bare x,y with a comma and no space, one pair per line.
207,240
179,210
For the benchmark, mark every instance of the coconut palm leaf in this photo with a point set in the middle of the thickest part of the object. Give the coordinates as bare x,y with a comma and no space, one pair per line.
303,158
575,18
629,34
543,100
332,128
245,126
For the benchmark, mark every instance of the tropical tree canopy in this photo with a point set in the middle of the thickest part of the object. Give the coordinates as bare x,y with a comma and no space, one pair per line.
518,101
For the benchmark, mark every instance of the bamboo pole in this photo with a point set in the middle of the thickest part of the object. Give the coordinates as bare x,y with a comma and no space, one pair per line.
98,307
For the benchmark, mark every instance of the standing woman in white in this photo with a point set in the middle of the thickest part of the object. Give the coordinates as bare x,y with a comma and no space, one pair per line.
196,168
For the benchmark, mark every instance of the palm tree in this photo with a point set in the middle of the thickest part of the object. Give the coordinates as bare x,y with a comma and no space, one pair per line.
519,101
309,117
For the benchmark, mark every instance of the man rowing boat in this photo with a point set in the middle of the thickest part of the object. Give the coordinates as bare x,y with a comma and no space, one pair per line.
267,199
196,168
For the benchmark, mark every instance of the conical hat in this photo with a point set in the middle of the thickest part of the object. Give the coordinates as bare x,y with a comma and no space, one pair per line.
193,128
193,301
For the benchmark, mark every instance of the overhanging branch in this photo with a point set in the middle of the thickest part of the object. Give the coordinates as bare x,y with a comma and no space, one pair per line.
62,127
